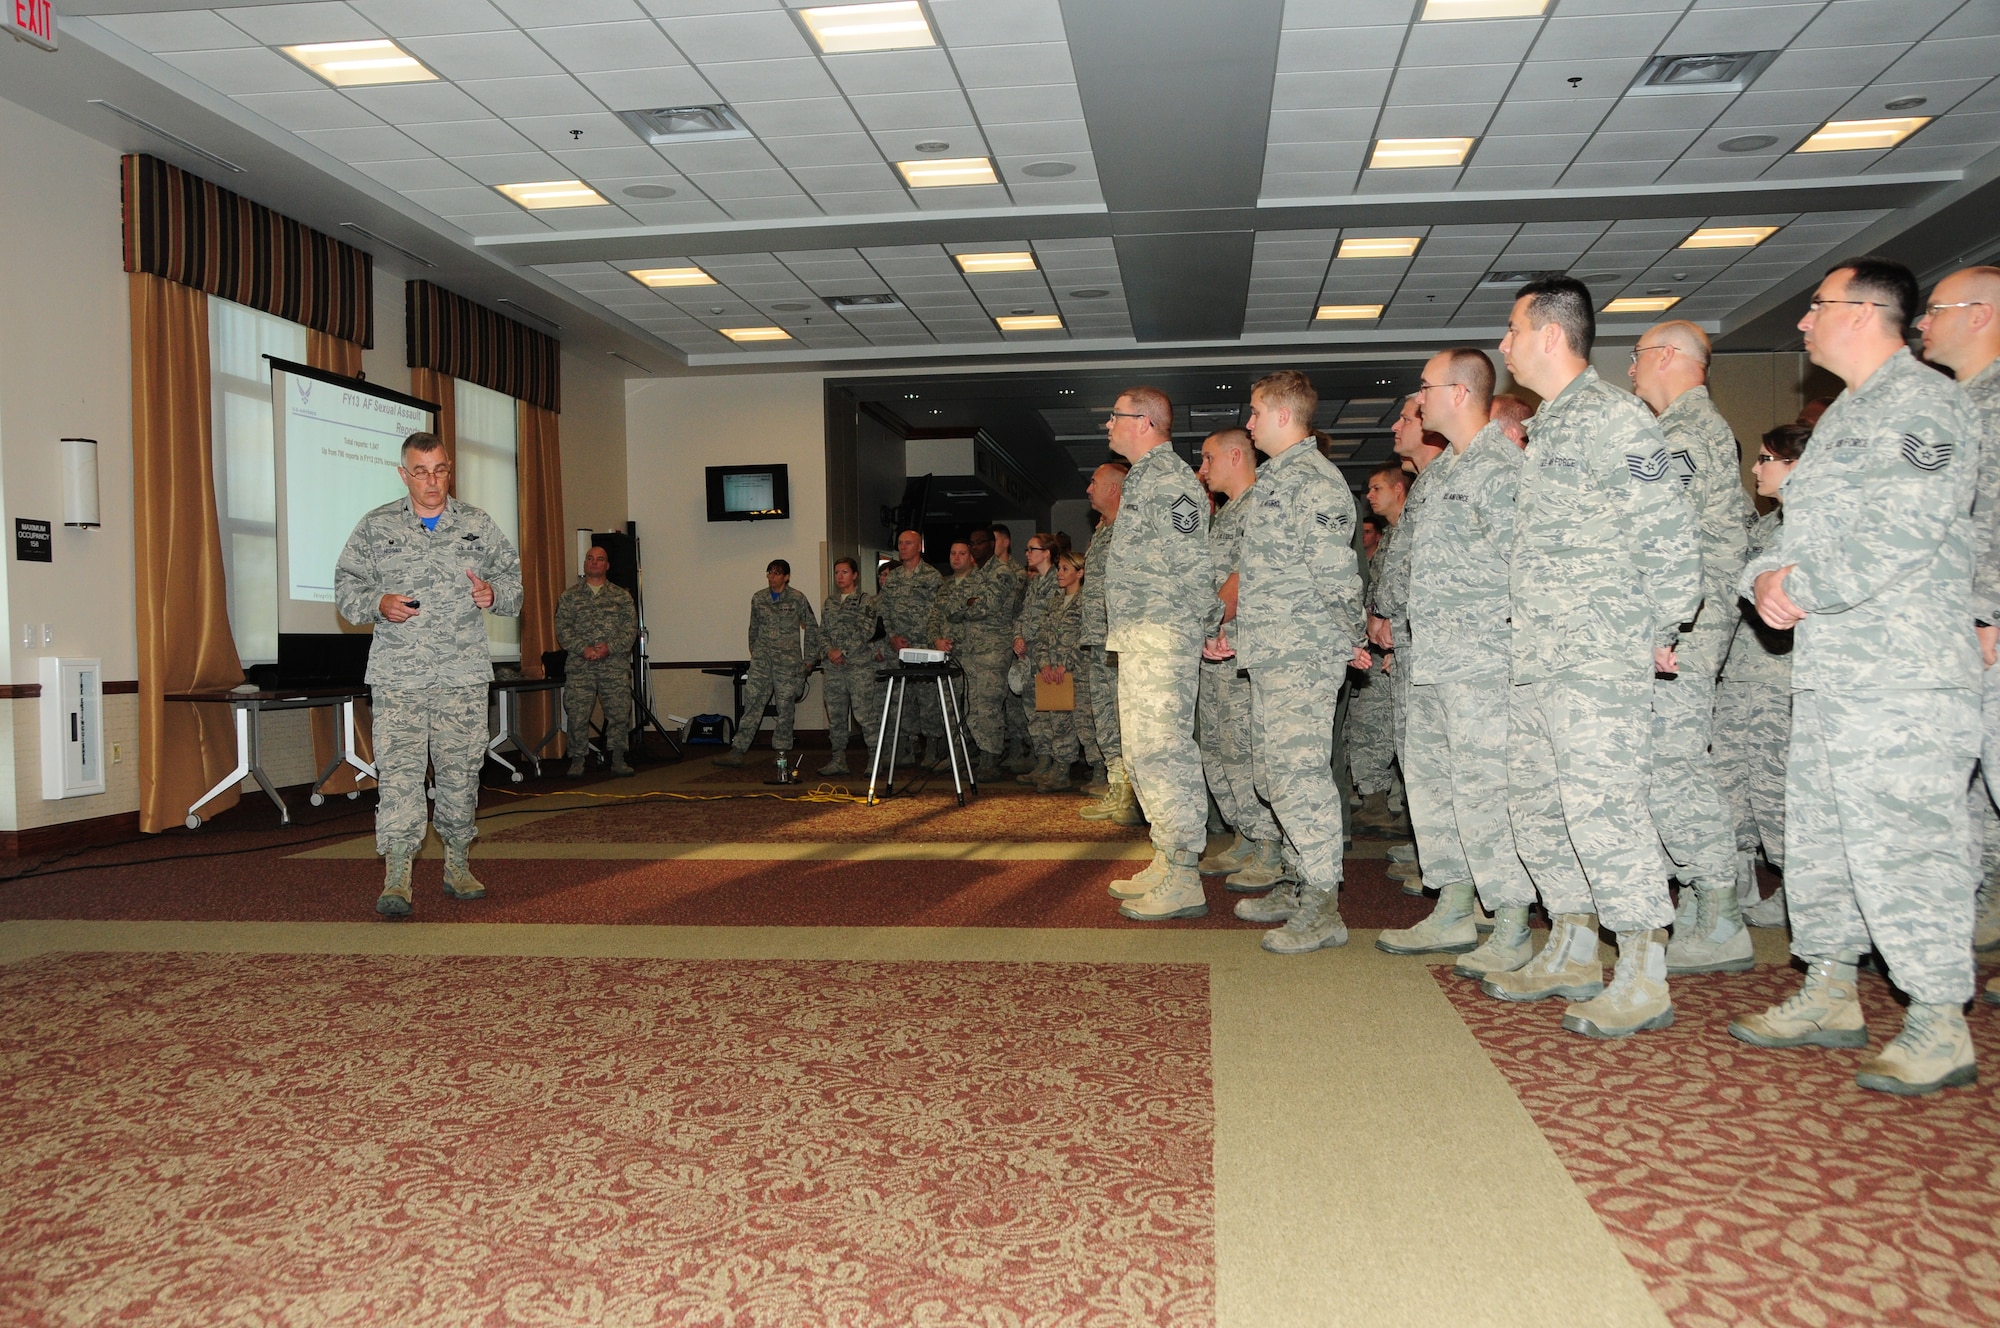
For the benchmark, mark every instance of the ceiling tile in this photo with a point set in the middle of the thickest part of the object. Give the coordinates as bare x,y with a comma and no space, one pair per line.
985,23
676,212
635,162
537,13
282,25
308,110
1348,124
511,168
1934,157
1761,110
467,138
1463,83
1425,180
252,69
546,94
369,143
1941,96
559,133
887,112
726,186
418,103
805,116
1528,149
1050,138
457,202
191,30
893,71
1595,36
1432,122
1689,111
1839,67
771,209
482,55
901,144
1439,48
1612,174
1549,80
429,173
1963,57
1577,115
1361,88
845,179
643,89
757,35
597,47
1641,146
825,150
697,159
1955,129
764,80
498,223
1865,22
425,18
1974,20
1284,158
1307,185
1763,27
1318,50
963,196
1013,66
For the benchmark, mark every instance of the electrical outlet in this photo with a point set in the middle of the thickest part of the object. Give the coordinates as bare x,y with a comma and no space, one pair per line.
48,634
27,634
117,752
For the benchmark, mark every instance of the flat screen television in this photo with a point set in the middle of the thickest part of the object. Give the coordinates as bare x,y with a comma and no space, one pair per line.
749,493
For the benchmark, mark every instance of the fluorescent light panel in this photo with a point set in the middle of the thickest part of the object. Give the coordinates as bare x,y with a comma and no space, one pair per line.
360,64
951,171
1855,135
996,262
545,194
1030,323
657,277
1366,311
1379,246
1395,153
1641,304
897,26
1729,237
756,334
1437,11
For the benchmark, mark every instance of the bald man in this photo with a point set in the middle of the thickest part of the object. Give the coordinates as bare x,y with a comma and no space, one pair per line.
1961,328
1669,372
1512,415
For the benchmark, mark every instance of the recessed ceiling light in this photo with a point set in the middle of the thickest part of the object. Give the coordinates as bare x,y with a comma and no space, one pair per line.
843,304
1048,170
1729,237
670,276
1017,261
1442,11
1641,304
1394,153
360,64
648,191
547,194
933,145
756,333
1369,311
790,307
1726,71
896,26
951,171
1904,103
1030,322
1601,278
1089,293
1855,135
1747,142
670,126
1381,246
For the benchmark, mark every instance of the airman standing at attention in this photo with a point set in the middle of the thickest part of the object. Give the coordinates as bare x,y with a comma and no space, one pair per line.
1389,602
1670,373
1159,604
909,592
596,622
1099,681
848,683
1298,626
784,644
1371,711
1041,589
1020,759
1606,567
1961,330
1874,569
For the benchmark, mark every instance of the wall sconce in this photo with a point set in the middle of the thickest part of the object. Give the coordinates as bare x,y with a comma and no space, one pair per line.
79,468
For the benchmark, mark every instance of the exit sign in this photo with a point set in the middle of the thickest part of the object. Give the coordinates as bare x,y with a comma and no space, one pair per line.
32,21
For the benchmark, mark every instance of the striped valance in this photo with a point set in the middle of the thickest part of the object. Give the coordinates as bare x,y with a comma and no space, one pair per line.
182,228
454,336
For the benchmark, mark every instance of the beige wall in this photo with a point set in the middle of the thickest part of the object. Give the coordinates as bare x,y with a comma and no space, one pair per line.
593,451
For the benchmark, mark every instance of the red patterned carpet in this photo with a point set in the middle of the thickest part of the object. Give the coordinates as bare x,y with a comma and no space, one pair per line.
317,1139
1010,817
1763,1187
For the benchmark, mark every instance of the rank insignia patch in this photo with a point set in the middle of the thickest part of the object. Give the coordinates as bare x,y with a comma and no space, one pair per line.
1648,468
1186,516
1925,455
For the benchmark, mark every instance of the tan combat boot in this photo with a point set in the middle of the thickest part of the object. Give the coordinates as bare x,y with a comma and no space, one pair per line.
1825,1012
459,882
1315,925
1768,913
1448,930
1504,951
1992,993
1227,860
1716,941
395,899
1139,882
1276,906
1637,1000
1264,868
1117,788
1177,894
1933,1051
1566,966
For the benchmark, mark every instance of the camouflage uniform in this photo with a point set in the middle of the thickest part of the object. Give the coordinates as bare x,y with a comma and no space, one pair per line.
1753,719
1012,707
1159,602
1885,679
1391,599
905,603
1056,644
1098,684
1371,715
428,676
1606,567
1298,619
1686,801
1036,597
975,612
1222,706
1984,389
852,692
1455,758
779,664
587,616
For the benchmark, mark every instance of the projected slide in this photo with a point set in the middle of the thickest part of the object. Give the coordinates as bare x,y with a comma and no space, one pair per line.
341,444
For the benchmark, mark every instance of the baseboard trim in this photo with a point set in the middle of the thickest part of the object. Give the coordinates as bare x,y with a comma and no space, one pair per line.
67,835
29,691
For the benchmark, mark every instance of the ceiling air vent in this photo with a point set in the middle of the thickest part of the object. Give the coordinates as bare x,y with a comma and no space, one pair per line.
848,304
1514,277
1729,71
668,125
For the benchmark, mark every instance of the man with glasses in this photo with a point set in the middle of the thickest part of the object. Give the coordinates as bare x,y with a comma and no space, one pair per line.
1962,332
1874,569
1389,595
1160,604
1670,374
424,571
909,593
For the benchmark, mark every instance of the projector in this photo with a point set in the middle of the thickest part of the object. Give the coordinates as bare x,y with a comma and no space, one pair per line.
911,655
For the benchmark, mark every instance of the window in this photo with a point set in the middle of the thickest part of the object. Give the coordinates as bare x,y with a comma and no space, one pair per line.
488,478
246,496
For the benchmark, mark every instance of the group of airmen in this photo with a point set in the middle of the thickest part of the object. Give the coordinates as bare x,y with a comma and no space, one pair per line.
1585,664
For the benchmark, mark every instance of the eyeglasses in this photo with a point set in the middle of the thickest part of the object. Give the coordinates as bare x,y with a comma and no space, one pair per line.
1817,304
1127,415
423,473
1933,310
1637,349
1765,458
1426,387
1038,548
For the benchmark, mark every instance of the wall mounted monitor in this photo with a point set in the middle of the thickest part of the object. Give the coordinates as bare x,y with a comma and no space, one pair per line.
749,493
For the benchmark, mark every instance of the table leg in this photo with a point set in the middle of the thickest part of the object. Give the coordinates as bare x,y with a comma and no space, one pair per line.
235,775
257,765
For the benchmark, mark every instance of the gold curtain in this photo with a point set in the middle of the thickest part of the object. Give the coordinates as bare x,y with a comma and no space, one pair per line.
184,639
543,565
430,385
335,355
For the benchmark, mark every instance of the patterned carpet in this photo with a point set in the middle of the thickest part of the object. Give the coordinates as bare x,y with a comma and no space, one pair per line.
1763,1187
314,1139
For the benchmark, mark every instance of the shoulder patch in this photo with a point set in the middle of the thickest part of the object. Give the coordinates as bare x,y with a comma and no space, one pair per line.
1926,455
1650,467
1684,466
1186,516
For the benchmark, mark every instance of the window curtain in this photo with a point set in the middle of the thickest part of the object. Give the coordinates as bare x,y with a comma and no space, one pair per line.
430,385
183,601
335,355
543,566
